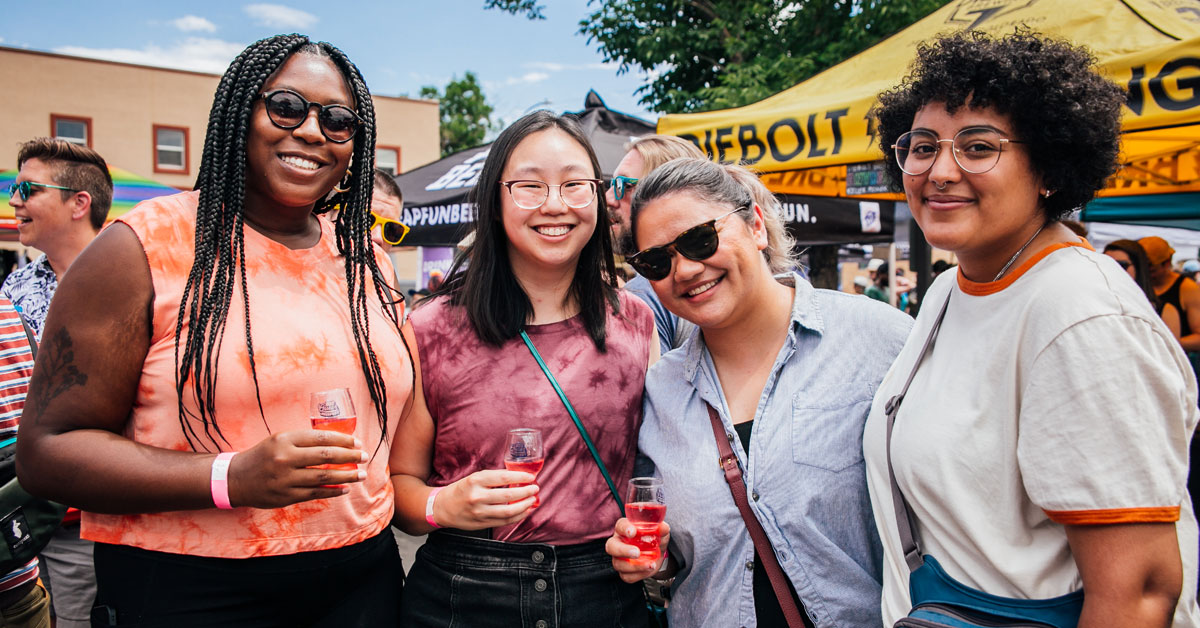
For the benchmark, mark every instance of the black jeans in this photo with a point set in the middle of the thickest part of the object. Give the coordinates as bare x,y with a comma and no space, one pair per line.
463,582
354,586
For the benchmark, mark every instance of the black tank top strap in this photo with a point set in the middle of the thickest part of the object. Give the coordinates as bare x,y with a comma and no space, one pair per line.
1171,295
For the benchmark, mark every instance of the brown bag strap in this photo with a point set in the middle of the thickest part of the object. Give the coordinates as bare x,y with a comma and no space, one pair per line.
762,545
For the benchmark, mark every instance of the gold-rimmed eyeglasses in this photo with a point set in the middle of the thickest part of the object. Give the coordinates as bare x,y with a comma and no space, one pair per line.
975,149
530,194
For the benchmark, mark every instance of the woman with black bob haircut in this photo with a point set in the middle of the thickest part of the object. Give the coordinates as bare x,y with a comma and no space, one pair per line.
1041,446
536,286
196,328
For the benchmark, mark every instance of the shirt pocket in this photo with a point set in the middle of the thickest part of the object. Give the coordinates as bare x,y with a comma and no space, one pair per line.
828,437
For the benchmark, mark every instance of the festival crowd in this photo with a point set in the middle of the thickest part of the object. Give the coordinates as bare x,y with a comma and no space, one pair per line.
1016,456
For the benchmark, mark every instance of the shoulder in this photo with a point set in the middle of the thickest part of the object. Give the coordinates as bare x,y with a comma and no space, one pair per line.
22,276
842,312
1075,284
634,308
156,217
429,311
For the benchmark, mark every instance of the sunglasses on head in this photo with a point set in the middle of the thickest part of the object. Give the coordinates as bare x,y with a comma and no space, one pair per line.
393,231
620,184
25,189
288,110
697,244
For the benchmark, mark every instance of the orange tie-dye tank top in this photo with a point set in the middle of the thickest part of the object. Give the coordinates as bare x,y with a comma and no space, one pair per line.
303,342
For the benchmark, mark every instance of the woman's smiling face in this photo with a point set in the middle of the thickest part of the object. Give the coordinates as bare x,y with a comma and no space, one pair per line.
552,236
980,217
296,167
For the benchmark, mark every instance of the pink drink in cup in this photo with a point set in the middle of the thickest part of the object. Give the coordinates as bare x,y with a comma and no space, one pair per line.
644,508
333,410
523,452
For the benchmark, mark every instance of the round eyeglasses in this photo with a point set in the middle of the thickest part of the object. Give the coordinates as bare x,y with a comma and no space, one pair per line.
529,194
975,149
288,110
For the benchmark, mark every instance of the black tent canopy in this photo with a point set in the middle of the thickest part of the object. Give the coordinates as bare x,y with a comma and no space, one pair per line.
435,195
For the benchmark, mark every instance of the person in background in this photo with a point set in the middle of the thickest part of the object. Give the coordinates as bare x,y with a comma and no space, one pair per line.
1177,290
787,368
878,289
387,203
61,199
644,155
1042,447
23,602
1130,256
170,399
538,274
940,266
1190,269
861,284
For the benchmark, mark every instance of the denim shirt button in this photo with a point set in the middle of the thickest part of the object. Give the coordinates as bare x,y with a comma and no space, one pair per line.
541,623
754,494
783,556
539,585
538,556
750,565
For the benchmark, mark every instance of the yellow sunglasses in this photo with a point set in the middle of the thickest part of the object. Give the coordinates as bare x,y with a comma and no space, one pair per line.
393,231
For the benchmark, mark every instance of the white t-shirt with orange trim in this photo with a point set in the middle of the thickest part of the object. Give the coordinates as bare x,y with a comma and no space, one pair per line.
1054,396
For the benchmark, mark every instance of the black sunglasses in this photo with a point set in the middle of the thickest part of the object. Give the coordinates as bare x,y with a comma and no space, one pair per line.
697,244
288,110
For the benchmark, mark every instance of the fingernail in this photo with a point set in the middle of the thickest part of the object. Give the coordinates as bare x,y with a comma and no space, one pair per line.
362,475
363,457
358,445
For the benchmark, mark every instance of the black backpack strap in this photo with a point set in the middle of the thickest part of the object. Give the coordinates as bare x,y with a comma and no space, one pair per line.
33,343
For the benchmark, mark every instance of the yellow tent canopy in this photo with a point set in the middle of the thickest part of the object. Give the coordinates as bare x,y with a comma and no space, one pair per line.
805,136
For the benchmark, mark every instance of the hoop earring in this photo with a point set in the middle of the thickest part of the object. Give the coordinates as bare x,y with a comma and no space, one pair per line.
343,186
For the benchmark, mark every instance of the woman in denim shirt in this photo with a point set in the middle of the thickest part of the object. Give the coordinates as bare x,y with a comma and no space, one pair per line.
791,370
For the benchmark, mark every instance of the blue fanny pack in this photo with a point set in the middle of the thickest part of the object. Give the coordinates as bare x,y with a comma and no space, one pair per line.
940,601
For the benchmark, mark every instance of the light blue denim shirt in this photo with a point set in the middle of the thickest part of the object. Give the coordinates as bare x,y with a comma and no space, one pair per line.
804,471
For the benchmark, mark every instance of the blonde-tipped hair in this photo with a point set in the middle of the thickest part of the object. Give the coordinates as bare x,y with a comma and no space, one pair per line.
727,184
657,150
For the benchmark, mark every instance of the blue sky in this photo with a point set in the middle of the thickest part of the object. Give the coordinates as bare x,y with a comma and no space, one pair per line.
399,45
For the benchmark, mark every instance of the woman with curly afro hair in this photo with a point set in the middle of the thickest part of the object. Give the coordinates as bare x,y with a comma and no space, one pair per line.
1041,448
170,400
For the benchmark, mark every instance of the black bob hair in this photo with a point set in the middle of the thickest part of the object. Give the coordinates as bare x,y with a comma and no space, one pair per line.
1067,114
481,280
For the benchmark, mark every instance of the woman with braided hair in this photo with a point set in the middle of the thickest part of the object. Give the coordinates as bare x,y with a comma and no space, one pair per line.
228,306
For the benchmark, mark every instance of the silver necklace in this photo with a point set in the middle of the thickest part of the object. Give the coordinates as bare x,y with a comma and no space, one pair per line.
1018,253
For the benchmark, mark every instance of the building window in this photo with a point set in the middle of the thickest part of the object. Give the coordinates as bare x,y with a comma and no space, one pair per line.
387,159
170,149
71,129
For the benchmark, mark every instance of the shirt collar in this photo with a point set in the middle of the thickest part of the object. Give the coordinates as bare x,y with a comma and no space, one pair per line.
806,315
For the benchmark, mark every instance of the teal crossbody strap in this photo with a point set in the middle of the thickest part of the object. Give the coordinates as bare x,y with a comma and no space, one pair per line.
587,440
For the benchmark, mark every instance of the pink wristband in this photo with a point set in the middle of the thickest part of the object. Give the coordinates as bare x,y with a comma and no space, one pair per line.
429,507
219,480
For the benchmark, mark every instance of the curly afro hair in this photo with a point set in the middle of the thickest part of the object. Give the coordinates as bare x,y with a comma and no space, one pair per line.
1067,115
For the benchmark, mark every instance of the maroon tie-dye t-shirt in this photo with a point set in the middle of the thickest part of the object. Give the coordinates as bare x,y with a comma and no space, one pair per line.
477,392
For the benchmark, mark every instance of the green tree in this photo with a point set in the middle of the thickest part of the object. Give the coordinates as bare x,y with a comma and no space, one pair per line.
466,116
716,54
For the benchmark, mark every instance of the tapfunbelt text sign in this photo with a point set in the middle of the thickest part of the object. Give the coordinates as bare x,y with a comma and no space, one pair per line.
1150,47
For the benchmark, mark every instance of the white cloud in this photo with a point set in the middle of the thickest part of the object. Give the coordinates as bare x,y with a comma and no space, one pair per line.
280,16
551,66
194,53
189,23
528,78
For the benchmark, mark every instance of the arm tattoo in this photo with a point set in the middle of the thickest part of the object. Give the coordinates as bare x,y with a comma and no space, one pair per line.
57,360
